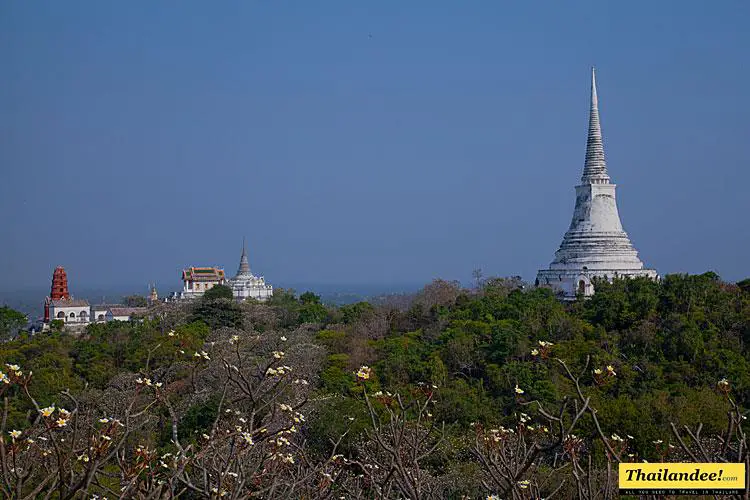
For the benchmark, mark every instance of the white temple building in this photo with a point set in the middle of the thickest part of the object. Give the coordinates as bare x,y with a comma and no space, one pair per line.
596,244
197,280
246,285
71,311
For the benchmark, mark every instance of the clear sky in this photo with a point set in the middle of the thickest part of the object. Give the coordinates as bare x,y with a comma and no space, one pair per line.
363,142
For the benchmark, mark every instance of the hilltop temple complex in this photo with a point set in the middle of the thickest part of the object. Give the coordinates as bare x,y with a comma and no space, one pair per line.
77,313
595,245
197,280
246,285
61,306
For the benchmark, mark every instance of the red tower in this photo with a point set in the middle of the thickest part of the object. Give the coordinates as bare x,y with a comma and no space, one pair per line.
59,284
59,290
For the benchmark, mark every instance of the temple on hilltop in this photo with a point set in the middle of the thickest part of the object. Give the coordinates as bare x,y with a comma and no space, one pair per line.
197,280
61,306
153,295
245,284
596,244
77,313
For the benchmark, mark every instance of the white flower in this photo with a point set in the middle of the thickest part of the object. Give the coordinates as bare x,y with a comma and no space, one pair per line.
611,370
13,368
283,339
524,484
247,438
61,422
597,371
172,333
271,372
615,437
14,433
278,354
234,339
534,352
518,390
46,412
364,373
103,420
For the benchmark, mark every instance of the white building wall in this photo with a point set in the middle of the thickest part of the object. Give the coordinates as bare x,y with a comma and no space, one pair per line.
71,315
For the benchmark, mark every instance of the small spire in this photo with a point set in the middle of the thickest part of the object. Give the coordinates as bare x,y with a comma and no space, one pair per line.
244,264
595,166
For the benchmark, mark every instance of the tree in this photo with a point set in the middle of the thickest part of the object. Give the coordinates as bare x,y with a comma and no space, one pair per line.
11,321
309,298
135,301
477,274
313,313
218,292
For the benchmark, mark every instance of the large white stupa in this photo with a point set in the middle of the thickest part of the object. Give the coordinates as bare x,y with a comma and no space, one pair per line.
596,244
245,284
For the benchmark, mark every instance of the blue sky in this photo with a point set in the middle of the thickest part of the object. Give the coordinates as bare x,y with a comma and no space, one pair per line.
363,142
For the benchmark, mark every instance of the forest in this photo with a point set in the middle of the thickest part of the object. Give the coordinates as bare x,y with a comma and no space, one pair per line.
499,390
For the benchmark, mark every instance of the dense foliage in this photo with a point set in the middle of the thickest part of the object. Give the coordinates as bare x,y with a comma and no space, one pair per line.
10,322
650,357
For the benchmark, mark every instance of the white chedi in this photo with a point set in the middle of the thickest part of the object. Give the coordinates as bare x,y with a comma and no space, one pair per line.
246,285
595,244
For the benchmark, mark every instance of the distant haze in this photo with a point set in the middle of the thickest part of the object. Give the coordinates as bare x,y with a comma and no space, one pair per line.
379,143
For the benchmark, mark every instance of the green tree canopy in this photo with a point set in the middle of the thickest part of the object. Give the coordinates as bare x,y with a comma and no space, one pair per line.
11,321
218,292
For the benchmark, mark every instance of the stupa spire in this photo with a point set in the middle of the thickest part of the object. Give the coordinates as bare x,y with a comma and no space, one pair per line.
595,167
595,245
244,264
